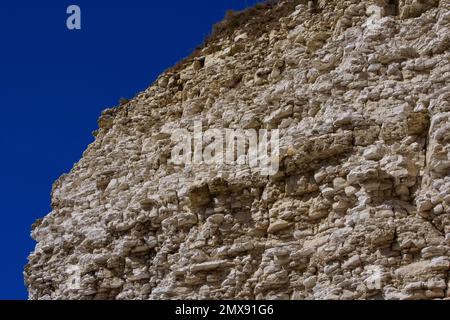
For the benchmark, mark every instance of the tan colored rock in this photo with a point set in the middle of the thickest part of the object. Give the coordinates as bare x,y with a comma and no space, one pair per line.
360,205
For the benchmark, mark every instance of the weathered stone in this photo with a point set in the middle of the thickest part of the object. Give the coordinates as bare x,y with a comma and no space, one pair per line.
359,206
277,226
211,265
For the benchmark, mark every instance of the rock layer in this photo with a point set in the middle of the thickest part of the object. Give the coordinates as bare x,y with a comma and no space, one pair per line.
360,208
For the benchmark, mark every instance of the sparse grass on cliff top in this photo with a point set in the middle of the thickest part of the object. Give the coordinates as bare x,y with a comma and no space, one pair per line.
255,21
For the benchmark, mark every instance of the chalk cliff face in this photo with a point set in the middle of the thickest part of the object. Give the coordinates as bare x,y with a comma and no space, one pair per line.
360,205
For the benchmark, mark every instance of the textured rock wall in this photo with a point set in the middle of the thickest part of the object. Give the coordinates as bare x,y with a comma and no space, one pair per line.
360,208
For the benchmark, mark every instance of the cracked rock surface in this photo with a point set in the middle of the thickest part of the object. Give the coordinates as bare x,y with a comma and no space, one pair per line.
360,207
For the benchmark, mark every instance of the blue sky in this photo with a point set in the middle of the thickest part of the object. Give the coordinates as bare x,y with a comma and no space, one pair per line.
54,83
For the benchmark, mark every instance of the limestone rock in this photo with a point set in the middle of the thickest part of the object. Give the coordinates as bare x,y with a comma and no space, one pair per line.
358,209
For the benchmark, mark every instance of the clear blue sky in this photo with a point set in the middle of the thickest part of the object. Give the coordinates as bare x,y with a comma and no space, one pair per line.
55,82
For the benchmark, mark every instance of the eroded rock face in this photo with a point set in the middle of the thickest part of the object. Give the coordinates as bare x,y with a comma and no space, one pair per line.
360,207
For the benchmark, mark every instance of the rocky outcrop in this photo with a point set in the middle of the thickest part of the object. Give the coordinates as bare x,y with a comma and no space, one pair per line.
360,205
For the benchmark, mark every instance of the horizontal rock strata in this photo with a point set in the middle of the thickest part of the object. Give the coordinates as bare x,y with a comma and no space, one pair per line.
360,206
